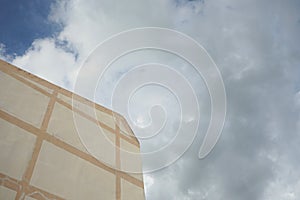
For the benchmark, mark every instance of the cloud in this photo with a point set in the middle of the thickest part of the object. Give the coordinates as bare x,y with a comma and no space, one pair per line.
256,47
49,60
95,21
3,54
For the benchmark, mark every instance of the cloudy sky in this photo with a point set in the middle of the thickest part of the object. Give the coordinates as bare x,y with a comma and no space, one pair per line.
254,43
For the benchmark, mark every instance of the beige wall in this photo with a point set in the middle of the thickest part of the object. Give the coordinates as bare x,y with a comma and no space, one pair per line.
43,157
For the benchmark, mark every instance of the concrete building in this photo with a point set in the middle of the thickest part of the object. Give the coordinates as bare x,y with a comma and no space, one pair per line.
43,157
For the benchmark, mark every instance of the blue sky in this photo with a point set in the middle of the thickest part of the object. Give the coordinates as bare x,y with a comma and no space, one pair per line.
23,22
254,43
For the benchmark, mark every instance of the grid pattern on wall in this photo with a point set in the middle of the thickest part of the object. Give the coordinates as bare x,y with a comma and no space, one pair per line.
42,157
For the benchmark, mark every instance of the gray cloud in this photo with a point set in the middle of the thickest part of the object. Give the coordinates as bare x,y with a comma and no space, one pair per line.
256,53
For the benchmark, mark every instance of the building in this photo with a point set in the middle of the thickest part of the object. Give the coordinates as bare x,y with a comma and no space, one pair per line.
43,157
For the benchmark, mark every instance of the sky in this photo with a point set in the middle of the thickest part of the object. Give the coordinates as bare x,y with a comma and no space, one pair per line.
254,43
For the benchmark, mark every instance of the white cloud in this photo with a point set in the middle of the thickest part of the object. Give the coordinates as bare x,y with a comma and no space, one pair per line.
3,54
87,23
49,60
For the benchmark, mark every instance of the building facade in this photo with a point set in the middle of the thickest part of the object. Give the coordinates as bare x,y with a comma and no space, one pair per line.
42,156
